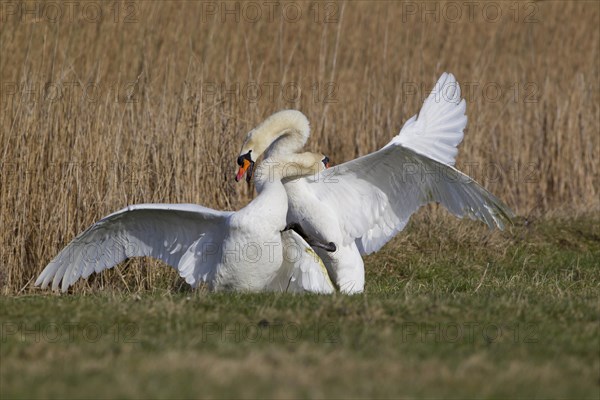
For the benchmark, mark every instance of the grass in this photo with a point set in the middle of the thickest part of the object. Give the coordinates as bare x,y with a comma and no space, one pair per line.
168,108
519,317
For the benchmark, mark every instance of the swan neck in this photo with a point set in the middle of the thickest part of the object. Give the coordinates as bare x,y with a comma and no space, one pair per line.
285,132
275,169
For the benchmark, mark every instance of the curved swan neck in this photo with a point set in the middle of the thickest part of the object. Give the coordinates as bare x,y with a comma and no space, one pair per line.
284,132
276,168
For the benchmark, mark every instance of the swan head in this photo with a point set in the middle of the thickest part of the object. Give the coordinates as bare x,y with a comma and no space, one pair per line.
303,164
290,167
246,164
284,132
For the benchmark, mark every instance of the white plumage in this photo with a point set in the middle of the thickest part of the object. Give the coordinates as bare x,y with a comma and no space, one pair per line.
358,205
245,250
439,127
361,204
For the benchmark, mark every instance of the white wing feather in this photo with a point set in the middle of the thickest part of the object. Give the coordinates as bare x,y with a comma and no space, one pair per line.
374,196
302,269
173,233
439,127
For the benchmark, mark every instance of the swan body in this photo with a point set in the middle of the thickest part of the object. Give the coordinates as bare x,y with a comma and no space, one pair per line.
358,205
247,250
361,204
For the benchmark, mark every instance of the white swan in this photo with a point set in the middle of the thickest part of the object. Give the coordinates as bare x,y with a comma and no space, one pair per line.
244,250
361,204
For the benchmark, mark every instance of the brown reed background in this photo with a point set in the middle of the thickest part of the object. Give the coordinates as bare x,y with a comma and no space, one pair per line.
150,102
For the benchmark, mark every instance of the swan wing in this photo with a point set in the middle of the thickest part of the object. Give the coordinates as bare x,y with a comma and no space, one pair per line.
174,233
374,196
302,269
439,127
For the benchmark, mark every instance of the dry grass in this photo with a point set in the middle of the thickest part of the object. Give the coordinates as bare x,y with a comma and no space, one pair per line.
67,162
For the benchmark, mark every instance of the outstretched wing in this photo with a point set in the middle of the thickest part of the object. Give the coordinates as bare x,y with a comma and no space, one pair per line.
374,196
174,233
439,127
302,270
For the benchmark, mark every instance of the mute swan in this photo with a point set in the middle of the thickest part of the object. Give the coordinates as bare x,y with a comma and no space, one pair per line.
244,250
361,204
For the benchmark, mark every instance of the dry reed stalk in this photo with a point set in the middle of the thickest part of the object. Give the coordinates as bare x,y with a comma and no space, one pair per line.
173,98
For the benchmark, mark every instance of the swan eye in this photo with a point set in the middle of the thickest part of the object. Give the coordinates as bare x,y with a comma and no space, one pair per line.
240,160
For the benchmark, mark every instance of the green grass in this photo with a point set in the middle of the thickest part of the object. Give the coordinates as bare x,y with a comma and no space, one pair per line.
449,312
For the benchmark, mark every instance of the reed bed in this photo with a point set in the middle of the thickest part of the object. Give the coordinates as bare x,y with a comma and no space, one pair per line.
151,101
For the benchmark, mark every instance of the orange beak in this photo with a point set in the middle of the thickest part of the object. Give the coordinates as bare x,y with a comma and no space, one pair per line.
243,168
